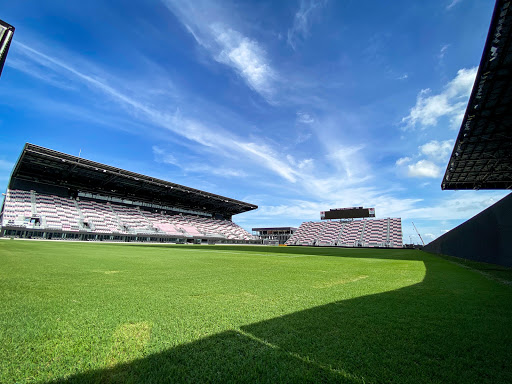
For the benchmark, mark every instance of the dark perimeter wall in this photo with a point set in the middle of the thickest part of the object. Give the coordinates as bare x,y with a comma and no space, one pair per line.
487,237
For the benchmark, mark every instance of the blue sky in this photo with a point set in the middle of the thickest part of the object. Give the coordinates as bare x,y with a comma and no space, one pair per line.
296,106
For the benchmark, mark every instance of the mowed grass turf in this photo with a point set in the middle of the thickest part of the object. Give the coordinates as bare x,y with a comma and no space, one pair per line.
114,313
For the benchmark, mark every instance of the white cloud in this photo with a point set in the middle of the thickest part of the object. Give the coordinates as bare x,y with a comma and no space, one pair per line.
265,156
211,25
304,118
423,168
442,51
437,151
402,161
302,21
403,77
349,160
162,156
303,164
450,103
303,137
34,69
246,56
452,4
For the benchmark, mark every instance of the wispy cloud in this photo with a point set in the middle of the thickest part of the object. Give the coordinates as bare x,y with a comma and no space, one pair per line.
442,51
34,69
265,156
302,21
345,159
452,4
304,118
210,25
247,57
403,160
176,122
162,156
450,103
214,138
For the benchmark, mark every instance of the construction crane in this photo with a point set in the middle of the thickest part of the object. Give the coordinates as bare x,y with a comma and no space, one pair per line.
422,242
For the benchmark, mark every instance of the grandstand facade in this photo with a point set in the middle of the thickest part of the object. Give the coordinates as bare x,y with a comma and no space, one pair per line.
386,233
52,195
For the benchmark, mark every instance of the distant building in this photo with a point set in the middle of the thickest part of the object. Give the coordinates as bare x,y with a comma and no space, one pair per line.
282,234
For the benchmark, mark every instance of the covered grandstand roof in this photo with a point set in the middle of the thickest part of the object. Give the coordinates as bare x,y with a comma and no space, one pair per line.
6,33
45,166
482,155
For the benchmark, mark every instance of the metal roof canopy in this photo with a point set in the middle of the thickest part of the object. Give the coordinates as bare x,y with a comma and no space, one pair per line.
482,155
6,33
46,166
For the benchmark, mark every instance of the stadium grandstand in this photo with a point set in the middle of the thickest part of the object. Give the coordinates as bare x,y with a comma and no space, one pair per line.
347,232
52,195
386,233
482,154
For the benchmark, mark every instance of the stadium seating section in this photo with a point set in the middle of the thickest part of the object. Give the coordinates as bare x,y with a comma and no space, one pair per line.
31,210
356,233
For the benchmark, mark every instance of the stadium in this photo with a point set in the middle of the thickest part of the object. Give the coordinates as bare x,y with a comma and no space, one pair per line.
52,195
112,276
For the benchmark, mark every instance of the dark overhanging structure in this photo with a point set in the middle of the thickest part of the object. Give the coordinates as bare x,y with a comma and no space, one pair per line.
39,167
482,154
6,33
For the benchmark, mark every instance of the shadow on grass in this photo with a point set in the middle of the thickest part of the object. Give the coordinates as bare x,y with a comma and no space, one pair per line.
443,329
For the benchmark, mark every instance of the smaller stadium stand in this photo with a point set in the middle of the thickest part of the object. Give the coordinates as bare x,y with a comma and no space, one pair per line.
355,233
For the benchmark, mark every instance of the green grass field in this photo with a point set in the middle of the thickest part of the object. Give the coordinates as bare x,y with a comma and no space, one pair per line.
114,313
